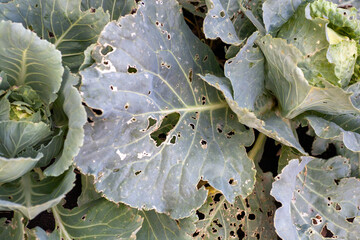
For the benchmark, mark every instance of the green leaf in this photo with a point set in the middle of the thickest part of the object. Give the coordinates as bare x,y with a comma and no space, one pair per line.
196,7
28,60
318,200
158,76
14,229
70,102
97,219
115,8
4,109
217,22
225,20
287,153
13,168
88,192
278,12
61,22
17,136
51,149
31,196
354,158
161,226
253,215
254,109
343,21
341,127
287,82
331,58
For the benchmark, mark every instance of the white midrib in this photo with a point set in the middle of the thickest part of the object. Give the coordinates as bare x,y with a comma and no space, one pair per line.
199,108
63,233
23,68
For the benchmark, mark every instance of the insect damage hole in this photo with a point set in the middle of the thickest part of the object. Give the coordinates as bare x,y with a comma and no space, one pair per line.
131,69
106,50
325,232
97,112
167,125
190,75
203,144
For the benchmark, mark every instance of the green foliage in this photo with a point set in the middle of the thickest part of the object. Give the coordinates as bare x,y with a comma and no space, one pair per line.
158,121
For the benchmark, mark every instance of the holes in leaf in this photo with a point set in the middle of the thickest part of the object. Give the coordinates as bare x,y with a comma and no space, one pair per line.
137,173
192,126
169,36
195,234
190,75
83,217
252,216
92,10
337,207
106,50
10,197
197,57
131,69
203,143
240,232
168,124
232,233
126,106
90,120
325,232
97,112
200,215
36,5
106,62
230,134
205,58
350,220
151,122
173,140
240,215
203,100
116,170
337,181
51,35
317,220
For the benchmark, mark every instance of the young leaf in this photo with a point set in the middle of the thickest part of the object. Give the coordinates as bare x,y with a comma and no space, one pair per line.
287,82
31,196
318,200
27,60
61,22
156,77
245,74
70,104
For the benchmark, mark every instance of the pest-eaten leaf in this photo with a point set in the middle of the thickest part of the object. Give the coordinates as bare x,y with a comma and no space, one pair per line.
156,77
115,8
319,200
12,230
225,20
61,22
253,215
245,74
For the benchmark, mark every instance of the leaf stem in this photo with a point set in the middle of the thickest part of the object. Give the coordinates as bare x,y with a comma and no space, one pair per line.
63,233
256,152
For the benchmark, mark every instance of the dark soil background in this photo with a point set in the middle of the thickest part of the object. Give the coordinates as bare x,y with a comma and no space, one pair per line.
269,160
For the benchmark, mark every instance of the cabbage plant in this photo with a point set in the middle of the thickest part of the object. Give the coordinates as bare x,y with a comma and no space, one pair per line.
178,119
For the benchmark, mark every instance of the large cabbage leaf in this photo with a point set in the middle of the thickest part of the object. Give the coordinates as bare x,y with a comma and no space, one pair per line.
132,90
318,199
61,22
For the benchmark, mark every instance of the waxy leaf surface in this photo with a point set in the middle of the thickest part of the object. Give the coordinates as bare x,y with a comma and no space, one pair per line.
318,199
132,90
